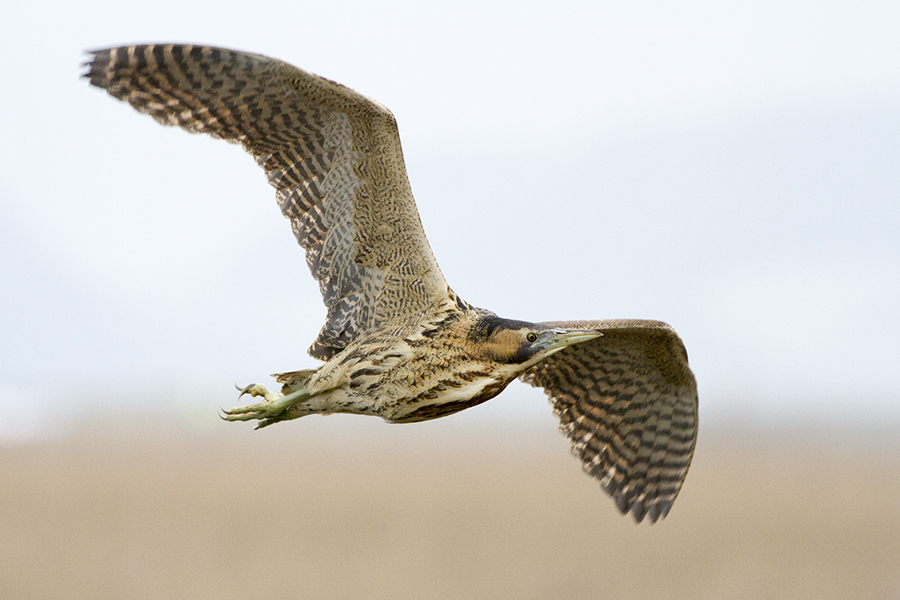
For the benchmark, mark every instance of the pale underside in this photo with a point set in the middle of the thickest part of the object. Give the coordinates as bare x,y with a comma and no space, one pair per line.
627,400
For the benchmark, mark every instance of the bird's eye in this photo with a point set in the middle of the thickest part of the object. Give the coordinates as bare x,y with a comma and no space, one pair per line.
531,337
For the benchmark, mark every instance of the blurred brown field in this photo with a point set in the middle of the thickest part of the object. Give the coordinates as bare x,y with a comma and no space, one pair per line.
349,507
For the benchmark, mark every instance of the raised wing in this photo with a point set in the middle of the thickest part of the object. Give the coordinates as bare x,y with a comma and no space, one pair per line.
332,154
627,401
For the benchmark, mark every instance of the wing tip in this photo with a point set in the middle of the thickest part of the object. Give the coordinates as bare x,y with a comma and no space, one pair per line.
655,510
92,71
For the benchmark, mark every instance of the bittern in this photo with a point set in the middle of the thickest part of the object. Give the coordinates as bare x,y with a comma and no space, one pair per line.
398,342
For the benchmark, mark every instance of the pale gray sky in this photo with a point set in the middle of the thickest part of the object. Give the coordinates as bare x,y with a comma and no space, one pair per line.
732,170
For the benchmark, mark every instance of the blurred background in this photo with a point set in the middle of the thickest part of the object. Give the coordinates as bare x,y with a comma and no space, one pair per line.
731,169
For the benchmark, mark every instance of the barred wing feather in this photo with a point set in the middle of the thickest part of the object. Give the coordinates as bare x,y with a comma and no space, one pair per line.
332,154
627,401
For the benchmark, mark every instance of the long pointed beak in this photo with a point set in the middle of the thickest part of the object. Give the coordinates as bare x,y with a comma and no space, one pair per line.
567,337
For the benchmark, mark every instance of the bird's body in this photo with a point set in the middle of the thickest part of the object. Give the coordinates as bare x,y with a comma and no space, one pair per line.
398,342
434,367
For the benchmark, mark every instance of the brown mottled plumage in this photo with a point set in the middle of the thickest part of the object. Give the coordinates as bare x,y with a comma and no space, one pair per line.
398,343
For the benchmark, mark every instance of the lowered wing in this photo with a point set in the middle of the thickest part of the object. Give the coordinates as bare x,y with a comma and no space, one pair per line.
627,401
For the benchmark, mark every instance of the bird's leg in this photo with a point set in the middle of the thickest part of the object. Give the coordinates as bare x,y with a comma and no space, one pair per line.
270,410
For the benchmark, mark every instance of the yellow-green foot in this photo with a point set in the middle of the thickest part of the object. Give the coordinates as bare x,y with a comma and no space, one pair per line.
268,411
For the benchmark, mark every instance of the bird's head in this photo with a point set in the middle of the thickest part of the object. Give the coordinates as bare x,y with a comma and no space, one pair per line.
520,342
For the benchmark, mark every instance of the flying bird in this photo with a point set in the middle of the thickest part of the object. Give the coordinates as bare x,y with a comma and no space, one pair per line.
398,343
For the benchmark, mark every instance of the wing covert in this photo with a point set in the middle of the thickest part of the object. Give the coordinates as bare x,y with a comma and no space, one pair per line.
627,401
333,156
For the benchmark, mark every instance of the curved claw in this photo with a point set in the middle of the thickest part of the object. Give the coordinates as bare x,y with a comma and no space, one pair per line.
243,390
228,414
